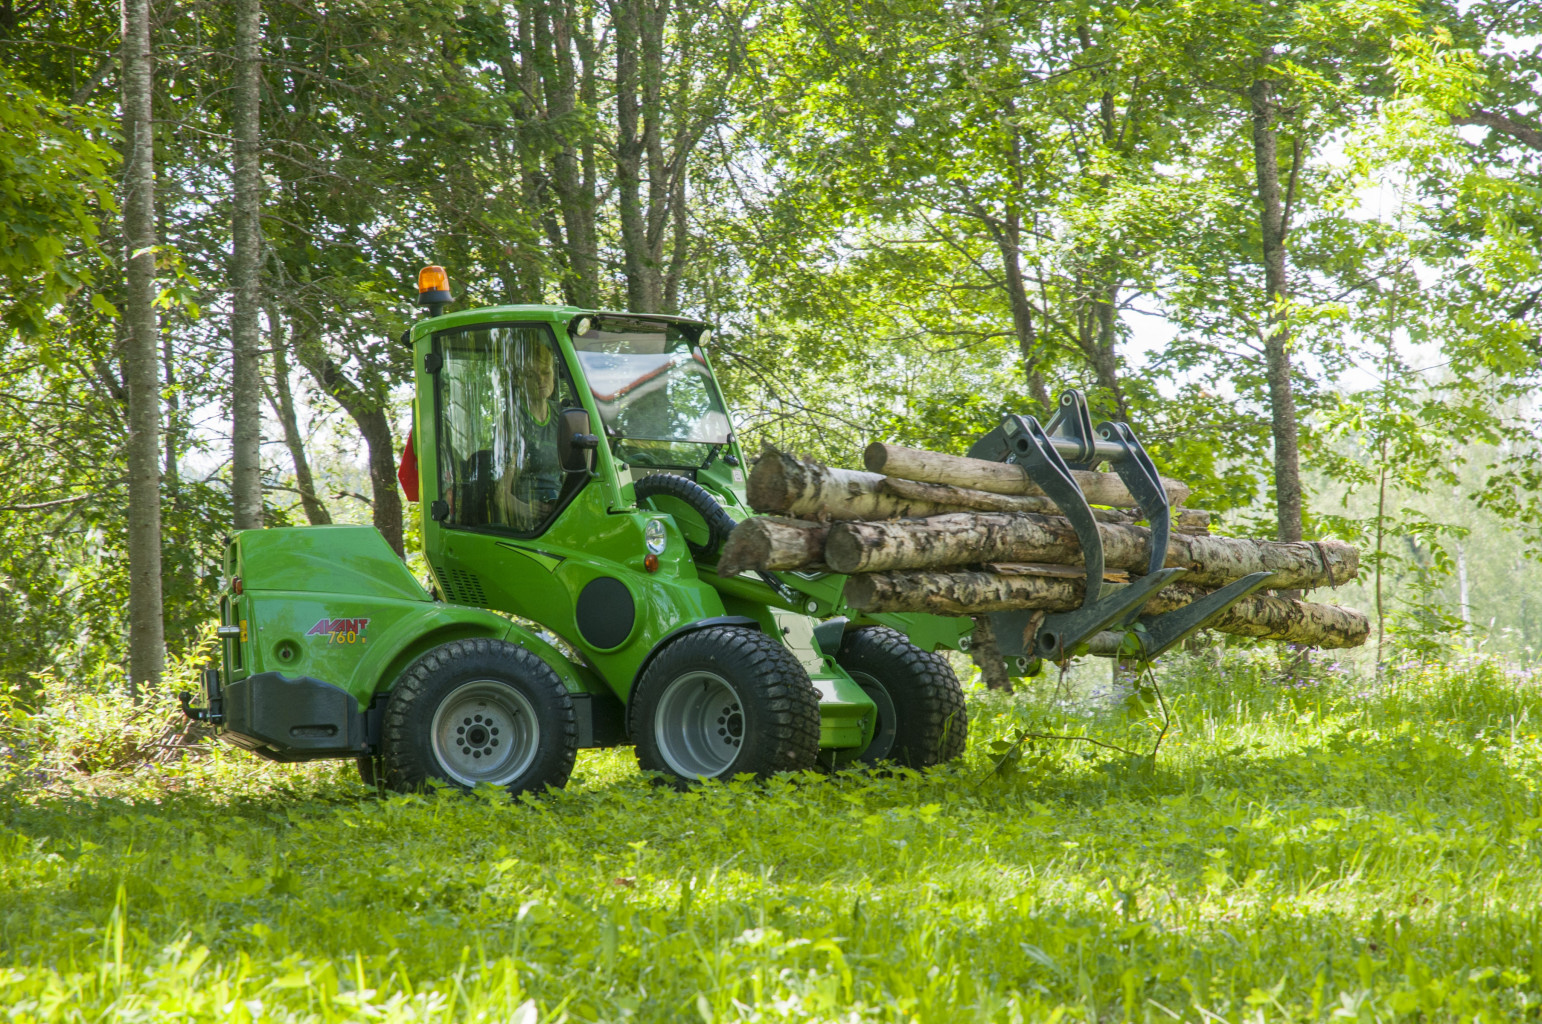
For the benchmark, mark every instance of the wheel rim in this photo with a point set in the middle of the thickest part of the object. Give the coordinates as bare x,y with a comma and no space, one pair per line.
485,731
699,726
882,744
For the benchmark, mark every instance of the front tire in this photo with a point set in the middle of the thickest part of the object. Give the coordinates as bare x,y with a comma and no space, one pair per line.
721,701
921,716
475,711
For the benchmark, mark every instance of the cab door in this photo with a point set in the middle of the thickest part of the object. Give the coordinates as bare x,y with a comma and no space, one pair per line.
498,395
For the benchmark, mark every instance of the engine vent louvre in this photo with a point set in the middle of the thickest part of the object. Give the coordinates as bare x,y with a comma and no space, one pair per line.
461,587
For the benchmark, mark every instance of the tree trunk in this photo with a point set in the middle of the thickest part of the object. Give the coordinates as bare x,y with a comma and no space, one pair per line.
282,401
974,593
1274,226
385,493
246,272
368,411
173,437
1009,240
629,23
986,655
1105,356
1001,477
147,637
965,538
570,175
771,543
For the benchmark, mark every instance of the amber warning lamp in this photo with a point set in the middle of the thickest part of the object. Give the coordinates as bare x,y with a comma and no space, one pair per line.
433,289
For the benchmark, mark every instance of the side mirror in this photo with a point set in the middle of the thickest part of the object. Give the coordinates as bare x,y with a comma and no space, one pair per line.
574,442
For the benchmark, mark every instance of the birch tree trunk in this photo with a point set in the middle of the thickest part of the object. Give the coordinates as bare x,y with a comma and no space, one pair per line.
246,273
141,362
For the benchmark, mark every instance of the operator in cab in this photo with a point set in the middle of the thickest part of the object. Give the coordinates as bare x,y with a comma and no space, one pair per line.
530,483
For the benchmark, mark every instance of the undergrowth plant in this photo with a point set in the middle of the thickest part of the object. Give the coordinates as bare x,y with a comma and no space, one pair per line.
1338,848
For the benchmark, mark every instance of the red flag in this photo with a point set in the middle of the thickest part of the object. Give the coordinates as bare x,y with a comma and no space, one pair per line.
407,472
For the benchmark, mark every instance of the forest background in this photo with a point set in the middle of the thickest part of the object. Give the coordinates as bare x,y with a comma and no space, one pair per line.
1295,244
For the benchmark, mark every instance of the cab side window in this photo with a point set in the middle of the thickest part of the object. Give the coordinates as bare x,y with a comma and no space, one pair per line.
500,394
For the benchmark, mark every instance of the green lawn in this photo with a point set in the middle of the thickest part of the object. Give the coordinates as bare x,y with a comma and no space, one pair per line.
1331,851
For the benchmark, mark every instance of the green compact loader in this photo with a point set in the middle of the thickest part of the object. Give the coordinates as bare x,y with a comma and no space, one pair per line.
577,475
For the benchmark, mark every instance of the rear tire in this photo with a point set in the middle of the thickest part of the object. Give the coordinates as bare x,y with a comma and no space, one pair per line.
474,711
921,716
722,701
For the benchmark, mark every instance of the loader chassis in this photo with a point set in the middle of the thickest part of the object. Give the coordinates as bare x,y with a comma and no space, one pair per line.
577,476
573,599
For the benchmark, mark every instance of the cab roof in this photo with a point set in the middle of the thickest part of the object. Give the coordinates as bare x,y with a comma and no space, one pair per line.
553,314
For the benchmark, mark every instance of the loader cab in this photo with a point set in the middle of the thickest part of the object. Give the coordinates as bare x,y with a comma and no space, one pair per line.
532,426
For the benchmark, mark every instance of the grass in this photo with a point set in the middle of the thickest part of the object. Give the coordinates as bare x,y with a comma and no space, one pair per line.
1329,851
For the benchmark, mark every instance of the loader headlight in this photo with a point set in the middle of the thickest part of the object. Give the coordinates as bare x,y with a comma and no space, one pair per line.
655,537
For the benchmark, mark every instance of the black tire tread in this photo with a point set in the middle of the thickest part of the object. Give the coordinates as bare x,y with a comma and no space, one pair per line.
402,773
933,726
790,698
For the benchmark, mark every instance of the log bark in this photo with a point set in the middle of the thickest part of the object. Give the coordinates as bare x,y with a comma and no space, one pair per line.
965,499
1192,521
785,484
973,593
969,538
771,543
1000,477
1276,618
960,593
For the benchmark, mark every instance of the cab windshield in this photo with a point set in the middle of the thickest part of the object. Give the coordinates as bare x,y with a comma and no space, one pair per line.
654,392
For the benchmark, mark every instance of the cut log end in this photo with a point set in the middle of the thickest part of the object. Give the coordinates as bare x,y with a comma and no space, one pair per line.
768,488
773,543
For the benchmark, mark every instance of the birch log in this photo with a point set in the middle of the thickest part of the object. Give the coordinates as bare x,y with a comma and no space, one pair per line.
965,499
973,593
770,543
1000,477
785,484
967,538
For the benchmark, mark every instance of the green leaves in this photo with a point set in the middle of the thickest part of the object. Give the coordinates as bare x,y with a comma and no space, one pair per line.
55,182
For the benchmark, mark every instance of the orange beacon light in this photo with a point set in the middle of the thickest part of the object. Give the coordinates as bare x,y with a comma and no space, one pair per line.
433,289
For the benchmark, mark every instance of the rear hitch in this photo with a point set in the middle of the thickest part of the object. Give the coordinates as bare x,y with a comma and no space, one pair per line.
213,711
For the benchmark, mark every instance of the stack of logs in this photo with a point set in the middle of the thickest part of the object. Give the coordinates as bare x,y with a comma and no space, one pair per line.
926,532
